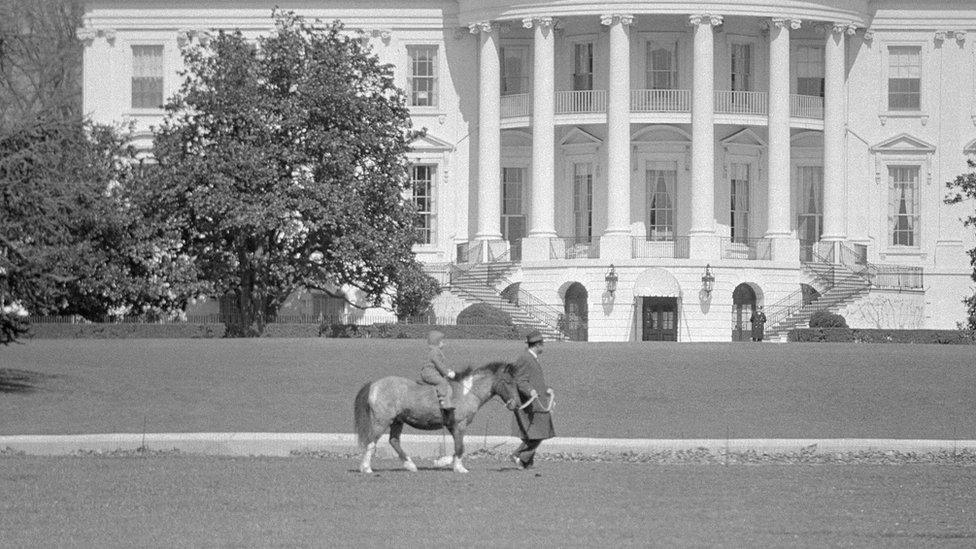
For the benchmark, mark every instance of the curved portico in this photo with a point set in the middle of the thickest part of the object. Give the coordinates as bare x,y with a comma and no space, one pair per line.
612,99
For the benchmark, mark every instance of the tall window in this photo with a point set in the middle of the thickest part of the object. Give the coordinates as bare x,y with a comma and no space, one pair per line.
422,82
513,218
515,73
904,78
661,178
809,222
903,206
740,202
147,77
583,66
810,70
583,201
741,67
422,185
662,67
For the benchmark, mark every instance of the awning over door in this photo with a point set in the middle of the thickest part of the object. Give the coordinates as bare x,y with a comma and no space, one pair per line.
655,282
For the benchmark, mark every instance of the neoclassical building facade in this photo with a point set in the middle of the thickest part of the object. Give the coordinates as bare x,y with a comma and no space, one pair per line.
655,170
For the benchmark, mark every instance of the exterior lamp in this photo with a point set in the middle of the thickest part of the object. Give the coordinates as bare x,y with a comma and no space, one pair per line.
611,279
708,281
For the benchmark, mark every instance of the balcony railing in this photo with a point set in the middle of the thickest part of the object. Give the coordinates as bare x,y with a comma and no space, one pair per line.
806,106
660,100
581,102
740,102
516,105
747,248
573,247
642,247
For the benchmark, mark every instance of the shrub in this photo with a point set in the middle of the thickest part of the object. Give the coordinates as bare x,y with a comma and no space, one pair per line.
419,331
483,314
857,335
827,319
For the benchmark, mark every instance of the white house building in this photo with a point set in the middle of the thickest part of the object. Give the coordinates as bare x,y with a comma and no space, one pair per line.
626,170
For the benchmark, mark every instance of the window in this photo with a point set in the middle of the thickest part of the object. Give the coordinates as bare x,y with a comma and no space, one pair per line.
809,220
583,66
422,186
147,77
661,178
513,220
583,201
810,70
741,67
903,207
740,202
422,82
515,62
904,78
662,67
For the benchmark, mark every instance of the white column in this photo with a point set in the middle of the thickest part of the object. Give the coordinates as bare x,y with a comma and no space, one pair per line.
835,113
785,248
615,242
489,133
703,243
542,225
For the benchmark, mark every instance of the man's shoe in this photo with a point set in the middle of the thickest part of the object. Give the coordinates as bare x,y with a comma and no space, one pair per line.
518,462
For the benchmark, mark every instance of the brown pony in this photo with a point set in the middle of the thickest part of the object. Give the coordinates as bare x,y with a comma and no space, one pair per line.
392,402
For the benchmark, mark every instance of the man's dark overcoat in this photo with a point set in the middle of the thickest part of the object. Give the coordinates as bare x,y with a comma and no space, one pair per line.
533,423
758,320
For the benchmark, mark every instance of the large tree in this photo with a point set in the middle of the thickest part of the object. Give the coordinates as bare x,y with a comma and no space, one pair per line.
284,162
73,238
963,188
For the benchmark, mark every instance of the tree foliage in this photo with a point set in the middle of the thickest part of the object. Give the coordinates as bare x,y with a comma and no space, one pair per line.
283,162
73,239
962,189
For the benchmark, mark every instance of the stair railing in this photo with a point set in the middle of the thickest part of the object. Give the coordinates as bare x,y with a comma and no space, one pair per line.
889,276
789,305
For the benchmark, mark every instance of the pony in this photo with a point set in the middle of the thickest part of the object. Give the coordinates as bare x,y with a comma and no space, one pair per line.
392,402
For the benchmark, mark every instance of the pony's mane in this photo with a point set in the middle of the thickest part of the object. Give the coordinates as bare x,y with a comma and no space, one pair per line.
494,368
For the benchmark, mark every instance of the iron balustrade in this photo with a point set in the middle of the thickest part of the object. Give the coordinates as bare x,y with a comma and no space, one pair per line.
660,100
581,102
806,106
747,248
643,247
740,102
573,247
519,104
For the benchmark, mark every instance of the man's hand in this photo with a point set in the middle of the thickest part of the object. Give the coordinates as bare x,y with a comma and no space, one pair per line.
533,393
511,405
451,374
549,391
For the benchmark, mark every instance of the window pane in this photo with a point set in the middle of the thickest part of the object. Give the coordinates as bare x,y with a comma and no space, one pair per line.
903,205
422,82
583,201
422,185
147,77
583,67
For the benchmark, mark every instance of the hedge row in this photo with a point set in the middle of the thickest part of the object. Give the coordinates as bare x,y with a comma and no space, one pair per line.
419,331
855,335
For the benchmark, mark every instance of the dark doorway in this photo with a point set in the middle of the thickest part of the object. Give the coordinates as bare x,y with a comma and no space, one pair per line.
576,313
743,305
659,319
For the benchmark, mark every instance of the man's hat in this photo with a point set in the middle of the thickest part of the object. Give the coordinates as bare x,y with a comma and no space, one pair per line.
535,336
434,337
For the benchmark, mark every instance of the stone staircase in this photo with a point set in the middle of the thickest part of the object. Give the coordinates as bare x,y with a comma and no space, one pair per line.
838,286
478,283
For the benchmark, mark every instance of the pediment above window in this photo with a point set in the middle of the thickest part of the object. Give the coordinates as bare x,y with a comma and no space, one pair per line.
970,149
661,134
745,137
430,143
904,143
807,140
577,136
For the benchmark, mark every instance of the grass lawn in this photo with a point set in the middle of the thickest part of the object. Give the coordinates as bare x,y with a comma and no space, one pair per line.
181,501
653,390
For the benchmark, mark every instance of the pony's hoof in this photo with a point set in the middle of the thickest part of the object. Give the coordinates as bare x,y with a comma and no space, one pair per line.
458,468
367,470
409,466
444,461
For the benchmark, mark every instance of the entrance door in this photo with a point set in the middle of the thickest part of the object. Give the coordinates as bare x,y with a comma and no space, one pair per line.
576,312
659,319
743,305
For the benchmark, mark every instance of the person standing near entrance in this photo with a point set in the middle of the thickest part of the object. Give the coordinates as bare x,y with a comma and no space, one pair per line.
758,320
533,420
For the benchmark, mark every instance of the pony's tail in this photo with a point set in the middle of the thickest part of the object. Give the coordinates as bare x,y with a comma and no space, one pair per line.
363,414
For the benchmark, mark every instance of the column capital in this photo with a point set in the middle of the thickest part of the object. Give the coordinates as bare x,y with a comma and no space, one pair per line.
482,26
86,34
705,19
625,19
785,22
842,27
108,34
959,35
545,22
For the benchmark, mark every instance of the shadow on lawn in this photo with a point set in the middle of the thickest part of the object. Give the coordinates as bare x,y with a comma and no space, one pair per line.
21,381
